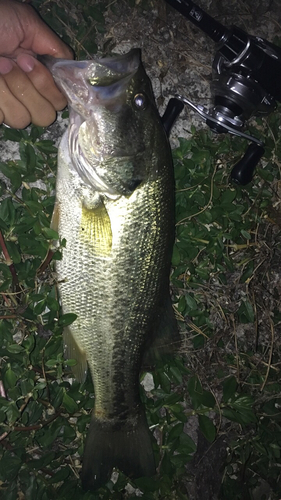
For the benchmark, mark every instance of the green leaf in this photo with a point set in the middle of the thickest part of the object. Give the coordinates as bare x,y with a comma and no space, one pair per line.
59,394
245,234
26,386
191,302
3,225
7,211
187,444
40,386
207,427
228,196
182,304
50,363
59,476
165,382
69,404
15,348
67,319
5,285
11,134
39,307
12,412
176,373
10,466
70,362
246,312
229,388
36,132
50,233
13,252
178,411
232,415
175,432
30,157
207,399
46,146
242,401
38,463
8,170
53,304
10,378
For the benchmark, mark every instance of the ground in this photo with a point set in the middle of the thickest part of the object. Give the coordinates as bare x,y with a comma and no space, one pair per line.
178,59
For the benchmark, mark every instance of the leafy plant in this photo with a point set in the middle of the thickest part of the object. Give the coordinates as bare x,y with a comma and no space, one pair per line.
226,376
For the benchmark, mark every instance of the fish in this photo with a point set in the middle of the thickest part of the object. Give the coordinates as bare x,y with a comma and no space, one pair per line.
115,209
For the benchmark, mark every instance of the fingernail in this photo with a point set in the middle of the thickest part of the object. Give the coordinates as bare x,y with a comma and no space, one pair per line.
6,65
26,62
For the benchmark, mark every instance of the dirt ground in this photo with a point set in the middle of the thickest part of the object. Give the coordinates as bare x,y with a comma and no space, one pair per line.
177,56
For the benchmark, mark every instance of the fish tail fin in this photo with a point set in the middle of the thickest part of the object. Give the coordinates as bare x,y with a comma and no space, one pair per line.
109,445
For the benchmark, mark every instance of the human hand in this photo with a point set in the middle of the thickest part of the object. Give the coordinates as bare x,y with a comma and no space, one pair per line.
27,90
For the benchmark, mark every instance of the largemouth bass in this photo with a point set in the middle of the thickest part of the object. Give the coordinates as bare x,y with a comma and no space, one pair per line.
115,209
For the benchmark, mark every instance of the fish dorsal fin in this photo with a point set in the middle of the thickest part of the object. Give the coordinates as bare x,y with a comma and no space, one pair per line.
95,230
73,351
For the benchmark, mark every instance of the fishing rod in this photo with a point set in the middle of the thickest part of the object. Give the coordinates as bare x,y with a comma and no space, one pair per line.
246,82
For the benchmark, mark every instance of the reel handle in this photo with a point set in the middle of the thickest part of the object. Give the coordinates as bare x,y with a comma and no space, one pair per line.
174,108
242,173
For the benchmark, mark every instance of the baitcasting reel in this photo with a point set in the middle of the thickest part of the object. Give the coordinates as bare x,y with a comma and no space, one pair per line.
246,82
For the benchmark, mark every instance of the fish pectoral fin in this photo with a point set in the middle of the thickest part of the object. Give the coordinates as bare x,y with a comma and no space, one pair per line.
73,351
96,230
121,446
55,226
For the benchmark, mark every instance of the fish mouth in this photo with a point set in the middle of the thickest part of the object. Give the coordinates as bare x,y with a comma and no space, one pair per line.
94,82
120,64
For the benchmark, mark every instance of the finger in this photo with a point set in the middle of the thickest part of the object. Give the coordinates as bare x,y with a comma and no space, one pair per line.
1,116
12,112
40,109
38,37
42,80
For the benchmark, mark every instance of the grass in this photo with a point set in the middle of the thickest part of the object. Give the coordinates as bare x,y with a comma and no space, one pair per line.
226,291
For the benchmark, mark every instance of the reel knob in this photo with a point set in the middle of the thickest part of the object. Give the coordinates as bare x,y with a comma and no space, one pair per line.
242,173
174,108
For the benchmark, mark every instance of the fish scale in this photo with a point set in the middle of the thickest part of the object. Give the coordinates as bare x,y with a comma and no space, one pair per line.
115,209
125,281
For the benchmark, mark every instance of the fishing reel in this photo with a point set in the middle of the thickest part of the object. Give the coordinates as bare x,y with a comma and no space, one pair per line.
246,82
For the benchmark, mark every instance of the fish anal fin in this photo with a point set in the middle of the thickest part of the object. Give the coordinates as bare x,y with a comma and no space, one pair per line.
124,447
95,229
165,339
73,351
55,218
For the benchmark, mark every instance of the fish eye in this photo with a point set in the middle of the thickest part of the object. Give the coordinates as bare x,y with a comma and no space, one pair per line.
140,101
